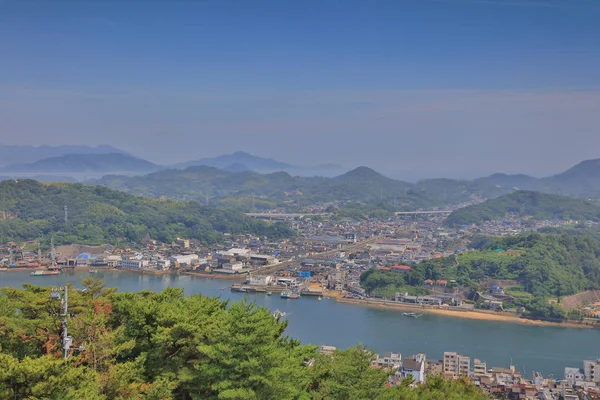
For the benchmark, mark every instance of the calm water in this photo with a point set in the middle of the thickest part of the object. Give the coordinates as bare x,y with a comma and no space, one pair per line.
544,349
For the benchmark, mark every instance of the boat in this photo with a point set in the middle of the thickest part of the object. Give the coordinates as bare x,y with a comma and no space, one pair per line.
319,298
42,272
412,315
278,314
294,296
92,270
3,269
243,289
269,293
286,294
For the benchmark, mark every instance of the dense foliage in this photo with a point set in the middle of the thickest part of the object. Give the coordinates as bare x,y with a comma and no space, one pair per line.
165,346
96,215
536,205
545,266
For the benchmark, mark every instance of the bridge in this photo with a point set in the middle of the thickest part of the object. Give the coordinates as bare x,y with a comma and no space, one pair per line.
280,215
423,212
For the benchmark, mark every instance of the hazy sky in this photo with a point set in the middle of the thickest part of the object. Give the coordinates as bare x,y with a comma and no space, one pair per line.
415,88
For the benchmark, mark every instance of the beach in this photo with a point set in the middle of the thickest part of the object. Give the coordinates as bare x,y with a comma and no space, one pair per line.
483,315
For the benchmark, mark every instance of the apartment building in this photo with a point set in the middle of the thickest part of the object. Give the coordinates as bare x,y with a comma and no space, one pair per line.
456,365
479,368
591,370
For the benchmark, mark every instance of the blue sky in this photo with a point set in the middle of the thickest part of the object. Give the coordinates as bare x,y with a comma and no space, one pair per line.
414,88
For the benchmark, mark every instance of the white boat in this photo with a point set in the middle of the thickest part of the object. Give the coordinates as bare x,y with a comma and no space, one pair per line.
319,298
278,314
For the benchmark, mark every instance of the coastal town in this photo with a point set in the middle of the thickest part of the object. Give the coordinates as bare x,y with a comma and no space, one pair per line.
499,382
326,260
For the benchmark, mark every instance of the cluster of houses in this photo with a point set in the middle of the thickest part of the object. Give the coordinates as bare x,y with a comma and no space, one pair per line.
501,383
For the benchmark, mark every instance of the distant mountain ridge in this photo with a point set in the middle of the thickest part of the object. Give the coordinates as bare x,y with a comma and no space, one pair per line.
84,163
247,189
262,165
27,154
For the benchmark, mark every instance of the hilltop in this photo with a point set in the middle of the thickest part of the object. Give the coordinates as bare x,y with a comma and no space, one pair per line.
99,215
28,154
538,206
84,163
260,165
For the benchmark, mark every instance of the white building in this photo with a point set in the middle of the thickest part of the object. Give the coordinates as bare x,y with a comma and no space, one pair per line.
573,375
414,369
183,259
260,280
233,266
134,263
238,252
389,360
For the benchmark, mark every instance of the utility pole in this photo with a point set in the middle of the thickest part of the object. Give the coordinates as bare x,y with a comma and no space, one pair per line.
67,340
52,251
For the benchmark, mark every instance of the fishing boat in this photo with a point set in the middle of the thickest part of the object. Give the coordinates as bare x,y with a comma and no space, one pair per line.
412,315
278,314
42,272
286,294
269,293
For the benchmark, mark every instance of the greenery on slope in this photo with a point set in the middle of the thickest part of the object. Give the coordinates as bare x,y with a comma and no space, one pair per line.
96,215
538,206
362,185
545,266
165,346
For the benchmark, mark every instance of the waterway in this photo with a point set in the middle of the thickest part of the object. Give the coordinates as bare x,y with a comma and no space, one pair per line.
530,348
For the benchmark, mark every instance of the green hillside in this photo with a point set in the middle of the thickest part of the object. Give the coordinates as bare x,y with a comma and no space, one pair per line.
30,210
545,266
247,189
165,346
538,206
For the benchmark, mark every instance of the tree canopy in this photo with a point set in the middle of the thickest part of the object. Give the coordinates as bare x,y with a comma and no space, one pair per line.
165,345
97,215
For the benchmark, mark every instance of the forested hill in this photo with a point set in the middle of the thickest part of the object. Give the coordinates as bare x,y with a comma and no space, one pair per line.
166,346
362,185
30,210
545,266
538,206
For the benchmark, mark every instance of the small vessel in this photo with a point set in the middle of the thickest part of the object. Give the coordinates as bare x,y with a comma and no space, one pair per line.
286,294
223,288
269,293
294,296
412,315
42,272
3,269
92,270
243,289
278,314
319,298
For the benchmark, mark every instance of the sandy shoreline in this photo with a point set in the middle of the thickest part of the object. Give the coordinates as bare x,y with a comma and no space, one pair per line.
469,314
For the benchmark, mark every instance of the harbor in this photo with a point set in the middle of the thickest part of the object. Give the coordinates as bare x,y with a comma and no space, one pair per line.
547,349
